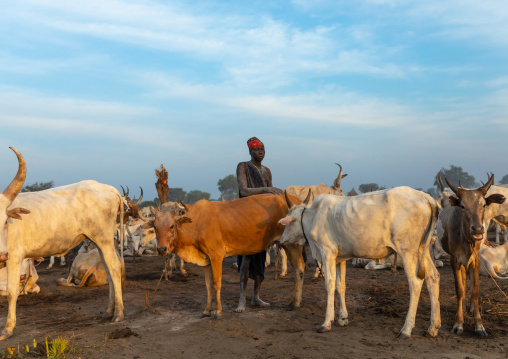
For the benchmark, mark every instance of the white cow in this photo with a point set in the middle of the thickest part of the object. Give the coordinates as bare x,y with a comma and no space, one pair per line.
88,270
54,222
371,225
494,260
27,281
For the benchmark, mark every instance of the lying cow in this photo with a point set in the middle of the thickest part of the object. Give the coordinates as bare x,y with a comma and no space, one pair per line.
494,260
88,270
211,231
371,225
461,232
27,280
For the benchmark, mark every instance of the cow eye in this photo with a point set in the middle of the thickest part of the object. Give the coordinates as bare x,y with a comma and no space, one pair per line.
171,226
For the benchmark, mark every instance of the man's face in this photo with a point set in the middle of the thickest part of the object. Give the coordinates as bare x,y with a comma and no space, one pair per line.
258,153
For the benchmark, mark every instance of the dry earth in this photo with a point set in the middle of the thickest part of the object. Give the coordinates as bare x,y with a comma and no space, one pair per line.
170,326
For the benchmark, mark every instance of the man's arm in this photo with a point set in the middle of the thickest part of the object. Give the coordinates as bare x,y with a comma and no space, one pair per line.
245,191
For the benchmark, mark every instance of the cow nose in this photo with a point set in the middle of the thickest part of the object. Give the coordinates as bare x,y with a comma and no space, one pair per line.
161,250
477,229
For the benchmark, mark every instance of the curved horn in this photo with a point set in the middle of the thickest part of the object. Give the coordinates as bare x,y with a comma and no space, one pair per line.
140,197
489,183
452,187
288,201
460,184
123,190
439,181
336,183
306,201
140,216
15,186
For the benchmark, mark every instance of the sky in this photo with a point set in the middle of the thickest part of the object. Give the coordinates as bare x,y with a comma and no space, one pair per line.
393,90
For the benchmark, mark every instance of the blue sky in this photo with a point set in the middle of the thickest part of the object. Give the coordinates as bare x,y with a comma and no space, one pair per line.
393,90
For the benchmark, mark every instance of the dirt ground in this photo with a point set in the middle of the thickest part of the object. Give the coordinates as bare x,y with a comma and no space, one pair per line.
168,323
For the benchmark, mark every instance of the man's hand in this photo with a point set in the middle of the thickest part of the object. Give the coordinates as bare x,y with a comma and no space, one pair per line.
274,190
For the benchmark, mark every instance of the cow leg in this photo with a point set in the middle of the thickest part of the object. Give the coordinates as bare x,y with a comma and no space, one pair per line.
329,268
460,289
244,277
209,293
432,282
62,261
51,262
474,275
182,268
342,319
415,287
284,260
216,264
498,231
13,273
294,253
113,269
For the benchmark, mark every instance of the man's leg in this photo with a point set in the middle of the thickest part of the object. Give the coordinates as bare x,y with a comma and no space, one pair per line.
255,298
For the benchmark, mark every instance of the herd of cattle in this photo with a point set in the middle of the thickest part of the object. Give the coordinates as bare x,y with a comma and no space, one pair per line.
389,228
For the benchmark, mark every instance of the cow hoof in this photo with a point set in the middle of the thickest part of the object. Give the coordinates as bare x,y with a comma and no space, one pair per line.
117,319
457,329
258,302
240,309
432,333
282,275
5,336
342,322
206,315
323,329
403,336
184,274
481,332
216,316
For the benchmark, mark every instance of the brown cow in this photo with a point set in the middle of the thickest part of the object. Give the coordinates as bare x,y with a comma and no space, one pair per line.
461,231
211,231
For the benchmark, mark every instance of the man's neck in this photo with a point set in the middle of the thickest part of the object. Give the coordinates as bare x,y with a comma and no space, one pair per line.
256,163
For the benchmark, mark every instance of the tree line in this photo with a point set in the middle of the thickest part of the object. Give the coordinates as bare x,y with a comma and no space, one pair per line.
228,187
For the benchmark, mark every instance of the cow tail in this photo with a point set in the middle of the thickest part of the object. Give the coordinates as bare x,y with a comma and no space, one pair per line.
426,237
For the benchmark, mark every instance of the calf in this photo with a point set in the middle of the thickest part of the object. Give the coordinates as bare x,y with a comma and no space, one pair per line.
27,281
494,260
461,230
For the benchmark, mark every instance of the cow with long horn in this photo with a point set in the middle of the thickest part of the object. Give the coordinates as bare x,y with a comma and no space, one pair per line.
461,229
55,221
301,191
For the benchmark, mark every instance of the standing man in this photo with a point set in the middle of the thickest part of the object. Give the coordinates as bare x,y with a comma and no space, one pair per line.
253,178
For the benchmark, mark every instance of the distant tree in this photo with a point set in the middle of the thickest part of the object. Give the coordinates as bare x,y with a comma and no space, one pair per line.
148,204
195,195
454,175
504,180
177,194
368,187
228,187
432,191
37,187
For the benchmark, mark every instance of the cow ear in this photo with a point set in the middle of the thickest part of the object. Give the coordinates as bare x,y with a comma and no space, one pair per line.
183,220
495,198
15,212
286,220
454,201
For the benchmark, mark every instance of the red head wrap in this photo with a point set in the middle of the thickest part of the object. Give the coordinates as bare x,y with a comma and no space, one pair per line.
254,142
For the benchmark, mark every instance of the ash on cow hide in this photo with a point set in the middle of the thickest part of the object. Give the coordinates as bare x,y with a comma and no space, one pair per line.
122,333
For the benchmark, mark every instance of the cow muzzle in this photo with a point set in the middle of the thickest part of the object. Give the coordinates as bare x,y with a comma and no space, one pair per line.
4,256
162,251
